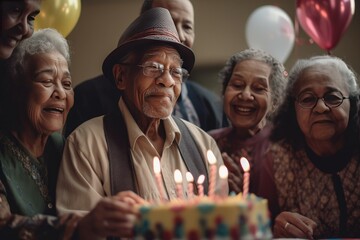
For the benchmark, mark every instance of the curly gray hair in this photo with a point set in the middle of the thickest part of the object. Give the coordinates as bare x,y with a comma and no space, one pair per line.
13,86
277,76
42,41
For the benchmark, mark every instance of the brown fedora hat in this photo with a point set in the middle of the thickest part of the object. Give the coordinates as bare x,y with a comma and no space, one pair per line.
153,26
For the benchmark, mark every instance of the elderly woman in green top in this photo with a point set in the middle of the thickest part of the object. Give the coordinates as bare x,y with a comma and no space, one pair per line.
40,95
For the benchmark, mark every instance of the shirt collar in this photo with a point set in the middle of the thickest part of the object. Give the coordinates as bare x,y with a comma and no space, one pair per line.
172,131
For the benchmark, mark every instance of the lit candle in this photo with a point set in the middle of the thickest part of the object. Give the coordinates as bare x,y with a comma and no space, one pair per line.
159,182
200,186
190,180
179,181
246,166
212,161
223,172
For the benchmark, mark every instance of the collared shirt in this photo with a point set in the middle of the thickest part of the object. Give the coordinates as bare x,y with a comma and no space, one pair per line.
84,172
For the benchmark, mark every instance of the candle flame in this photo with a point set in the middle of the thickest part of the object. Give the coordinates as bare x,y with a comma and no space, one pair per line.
211,157
201,179
189,177
156,165
178,176
245,164
223,172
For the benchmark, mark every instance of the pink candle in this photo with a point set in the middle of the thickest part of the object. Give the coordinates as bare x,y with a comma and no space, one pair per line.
213,172
200,186
159,182
246,166
178,181
223,172
190,180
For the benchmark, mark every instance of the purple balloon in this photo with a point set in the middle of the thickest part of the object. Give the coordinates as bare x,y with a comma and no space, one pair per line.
325,21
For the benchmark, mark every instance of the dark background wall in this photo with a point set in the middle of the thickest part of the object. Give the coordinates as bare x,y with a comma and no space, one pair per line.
219,28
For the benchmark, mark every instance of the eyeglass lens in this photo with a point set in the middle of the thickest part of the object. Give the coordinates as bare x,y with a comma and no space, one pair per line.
154,69
331,99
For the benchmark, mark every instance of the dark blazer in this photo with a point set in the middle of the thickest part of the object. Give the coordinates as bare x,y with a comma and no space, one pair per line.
99,96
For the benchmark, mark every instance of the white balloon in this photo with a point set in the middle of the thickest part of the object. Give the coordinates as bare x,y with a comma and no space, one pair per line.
269,28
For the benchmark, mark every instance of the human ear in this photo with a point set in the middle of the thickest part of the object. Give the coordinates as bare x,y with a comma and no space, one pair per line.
119,74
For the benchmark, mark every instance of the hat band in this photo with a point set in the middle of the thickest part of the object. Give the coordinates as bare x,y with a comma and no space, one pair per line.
154,33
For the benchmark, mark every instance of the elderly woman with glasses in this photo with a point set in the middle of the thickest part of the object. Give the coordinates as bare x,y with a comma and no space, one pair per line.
311,176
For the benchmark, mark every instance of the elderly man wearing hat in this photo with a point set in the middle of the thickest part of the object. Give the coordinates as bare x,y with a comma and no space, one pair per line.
197,104
115,152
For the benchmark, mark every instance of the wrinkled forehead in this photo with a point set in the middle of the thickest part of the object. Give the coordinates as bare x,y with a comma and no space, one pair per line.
162,51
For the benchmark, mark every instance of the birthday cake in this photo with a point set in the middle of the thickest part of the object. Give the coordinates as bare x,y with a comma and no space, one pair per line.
232,217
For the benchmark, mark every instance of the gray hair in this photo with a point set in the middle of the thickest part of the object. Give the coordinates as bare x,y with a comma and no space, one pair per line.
286,127
42,41
13,86
302,64
277,78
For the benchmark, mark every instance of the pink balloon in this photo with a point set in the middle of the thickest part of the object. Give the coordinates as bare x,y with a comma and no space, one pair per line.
325,21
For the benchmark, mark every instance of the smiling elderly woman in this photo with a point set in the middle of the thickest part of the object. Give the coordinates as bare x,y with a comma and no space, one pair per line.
312,175
253,85
39,95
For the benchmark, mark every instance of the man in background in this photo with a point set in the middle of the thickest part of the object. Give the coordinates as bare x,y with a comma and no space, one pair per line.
99,96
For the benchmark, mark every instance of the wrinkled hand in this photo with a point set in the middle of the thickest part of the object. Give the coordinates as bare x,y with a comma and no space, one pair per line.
130,198
293,225
234,173
112,216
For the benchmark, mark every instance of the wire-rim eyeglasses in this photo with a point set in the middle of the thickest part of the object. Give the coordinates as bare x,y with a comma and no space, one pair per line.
331,99
155,69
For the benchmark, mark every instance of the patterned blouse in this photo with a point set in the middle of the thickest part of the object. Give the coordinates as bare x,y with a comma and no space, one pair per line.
326,190
27,193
